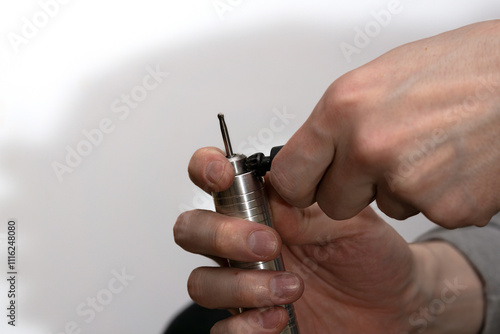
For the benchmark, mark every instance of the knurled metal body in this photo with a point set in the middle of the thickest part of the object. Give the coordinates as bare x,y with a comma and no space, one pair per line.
246,199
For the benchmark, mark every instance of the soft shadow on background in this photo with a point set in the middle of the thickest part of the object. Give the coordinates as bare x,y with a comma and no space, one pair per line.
108,223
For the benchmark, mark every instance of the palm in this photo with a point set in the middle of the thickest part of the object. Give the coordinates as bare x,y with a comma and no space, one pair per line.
356,271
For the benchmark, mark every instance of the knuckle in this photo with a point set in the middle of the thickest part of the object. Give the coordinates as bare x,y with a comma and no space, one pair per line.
249,290
396,210
350,95
371,148
448,215
325,204
286,187
240,290
350,100
219,238
292,187
482,222
441,218
344,93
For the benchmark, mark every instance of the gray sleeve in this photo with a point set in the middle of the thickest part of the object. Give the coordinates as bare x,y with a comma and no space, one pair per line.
482,247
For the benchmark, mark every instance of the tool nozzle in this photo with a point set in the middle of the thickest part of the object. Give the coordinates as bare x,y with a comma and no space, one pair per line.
225,136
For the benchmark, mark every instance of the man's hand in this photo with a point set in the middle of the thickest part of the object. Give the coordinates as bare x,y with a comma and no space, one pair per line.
417,130
353,276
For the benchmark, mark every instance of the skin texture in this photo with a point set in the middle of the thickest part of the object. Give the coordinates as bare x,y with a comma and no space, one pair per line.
416,130
352,276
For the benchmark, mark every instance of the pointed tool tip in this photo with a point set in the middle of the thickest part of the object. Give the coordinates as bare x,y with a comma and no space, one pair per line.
225,135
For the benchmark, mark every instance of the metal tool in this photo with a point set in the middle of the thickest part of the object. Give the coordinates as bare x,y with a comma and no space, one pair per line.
246,199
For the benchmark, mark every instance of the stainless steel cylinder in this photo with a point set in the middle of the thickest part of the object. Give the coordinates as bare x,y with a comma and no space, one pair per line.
246,199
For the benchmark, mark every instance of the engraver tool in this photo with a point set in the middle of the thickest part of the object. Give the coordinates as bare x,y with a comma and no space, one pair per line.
246,199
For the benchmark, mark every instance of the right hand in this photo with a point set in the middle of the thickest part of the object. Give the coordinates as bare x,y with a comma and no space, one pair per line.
417,130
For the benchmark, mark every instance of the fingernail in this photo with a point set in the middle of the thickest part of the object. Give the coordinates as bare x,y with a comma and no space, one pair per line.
270,318
215,171
284,285
262,243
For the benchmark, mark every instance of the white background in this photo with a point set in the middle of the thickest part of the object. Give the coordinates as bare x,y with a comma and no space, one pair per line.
116,209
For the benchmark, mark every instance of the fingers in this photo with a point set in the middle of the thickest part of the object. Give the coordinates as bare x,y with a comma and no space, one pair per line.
233,288
395,208
319,162
210,170
261,321
210,233
312,226
343,192
299,166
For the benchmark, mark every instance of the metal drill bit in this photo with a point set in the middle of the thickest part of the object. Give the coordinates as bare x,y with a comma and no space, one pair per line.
225,136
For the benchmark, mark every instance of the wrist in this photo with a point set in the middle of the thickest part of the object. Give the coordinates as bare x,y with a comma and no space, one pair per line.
447,292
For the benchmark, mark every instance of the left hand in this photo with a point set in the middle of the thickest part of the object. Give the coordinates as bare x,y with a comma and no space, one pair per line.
353,276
